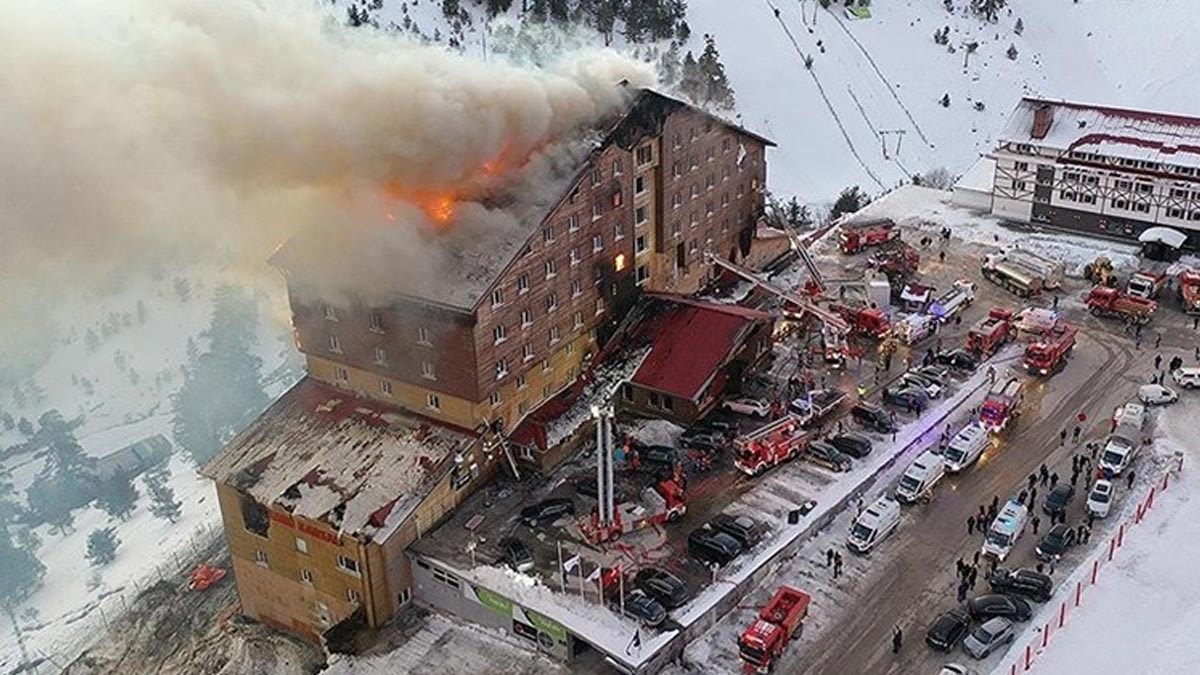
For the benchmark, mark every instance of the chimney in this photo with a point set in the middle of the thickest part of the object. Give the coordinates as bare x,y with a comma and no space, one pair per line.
1043,116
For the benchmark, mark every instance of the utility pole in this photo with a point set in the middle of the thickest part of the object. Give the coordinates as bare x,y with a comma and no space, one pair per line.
25,662
884,133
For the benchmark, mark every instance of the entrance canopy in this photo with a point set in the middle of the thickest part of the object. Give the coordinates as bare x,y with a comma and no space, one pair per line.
1163,235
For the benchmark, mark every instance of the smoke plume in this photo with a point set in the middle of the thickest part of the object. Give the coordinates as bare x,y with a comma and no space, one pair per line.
135,129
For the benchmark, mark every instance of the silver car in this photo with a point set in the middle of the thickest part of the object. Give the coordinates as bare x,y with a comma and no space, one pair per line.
987,637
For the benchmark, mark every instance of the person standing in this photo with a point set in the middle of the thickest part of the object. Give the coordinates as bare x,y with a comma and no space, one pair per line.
897,639
1062,437
1035,522
1129,481
974,576
970,525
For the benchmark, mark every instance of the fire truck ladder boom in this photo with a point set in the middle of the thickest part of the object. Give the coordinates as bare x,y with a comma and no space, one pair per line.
801,250
831,319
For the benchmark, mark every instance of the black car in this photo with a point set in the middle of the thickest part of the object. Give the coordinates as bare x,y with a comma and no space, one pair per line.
1059,498
908,398
873,417
947,630
588,486
959,359
1026,583
824,454
660,455
643,608
855,445
723,428
705,440
939,374
515,554
661,585
547,511
1056,542
989,606
748,531
709,546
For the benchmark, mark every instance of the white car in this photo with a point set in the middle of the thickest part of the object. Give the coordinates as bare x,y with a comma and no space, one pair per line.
1100,499
956,669
748,406
1156,394
1188,378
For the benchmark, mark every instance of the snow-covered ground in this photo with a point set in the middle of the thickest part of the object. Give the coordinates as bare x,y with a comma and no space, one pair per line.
120,409
1143,614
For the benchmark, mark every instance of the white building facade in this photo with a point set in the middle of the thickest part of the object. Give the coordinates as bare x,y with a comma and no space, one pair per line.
1099,170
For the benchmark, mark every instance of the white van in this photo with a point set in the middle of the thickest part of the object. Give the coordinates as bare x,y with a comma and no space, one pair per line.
873,525
1131,415
1188,378
1119,452
1005,530
920,477
966,447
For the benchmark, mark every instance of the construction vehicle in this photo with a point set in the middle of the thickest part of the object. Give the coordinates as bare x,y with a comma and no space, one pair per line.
777,623
896,260
915,297
868,321
1052,271
991,332
770,445
1189,291
1100,272
915,327
856,236
1012,276
659,503
1049,352
1148,281
204,576
1000,406
1105,301
959,297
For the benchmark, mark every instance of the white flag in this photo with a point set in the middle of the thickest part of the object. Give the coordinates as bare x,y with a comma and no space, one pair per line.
571,562
594,575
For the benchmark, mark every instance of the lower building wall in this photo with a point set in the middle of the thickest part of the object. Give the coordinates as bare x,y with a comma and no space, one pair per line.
438,588
1011,208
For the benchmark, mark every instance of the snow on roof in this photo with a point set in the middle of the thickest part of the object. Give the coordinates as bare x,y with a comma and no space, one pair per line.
598,391
1115,132
980,177
1163,235
324,454
690,341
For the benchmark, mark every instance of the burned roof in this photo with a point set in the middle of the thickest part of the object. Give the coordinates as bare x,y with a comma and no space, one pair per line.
324,454
1116,132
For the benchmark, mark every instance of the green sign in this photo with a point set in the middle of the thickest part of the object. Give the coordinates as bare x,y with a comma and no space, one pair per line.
547,626
493,602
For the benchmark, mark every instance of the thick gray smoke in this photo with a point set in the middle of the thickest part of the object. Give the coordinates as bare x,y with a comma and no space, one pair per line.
151,128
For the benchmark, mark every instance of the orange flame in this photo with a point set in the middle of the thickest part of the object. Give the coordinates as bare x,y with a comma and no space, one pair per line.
441,209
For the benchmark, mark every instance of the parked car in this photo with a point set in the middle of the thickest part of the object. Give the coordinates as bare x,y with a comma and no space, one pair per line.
756,407
824,454
947,630
907,398
957,669
547,511
643,608
661,455
661,585
959,359
1099,501
992,605
939,374
914,380
1188,378
1117,455
710,546
873,417
748,531
1156,394
1058,499
588,486
853,444
515,554
710,425
987,638
1055,542
707,440
1024,582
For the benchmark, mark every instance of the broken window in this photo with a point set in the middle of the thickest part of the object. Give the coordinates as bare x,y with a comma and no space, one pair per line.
255,517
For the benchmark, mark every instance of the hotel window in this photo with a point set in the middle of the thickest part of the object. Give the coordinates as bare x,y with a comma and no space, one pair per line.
644,155
640,244
494,399
551,302
724,199
1119,203
555,334
676,200
423,336
694,191
1179,194
352,595
527,353
726,145
597,210
571,350
501,369
523,284
576,288
380,356
548,234
260,557
301,546
709,182
550,267
433,402
341,374
335,345
677,141
639,215
617,167
597,176
546,367
578,319
618,232
375,323
618,198
1145,188
708,208
386,387
348,565
330,313
573,256
677,169
306,576
724,174
522,382
1124,185
1174,212
499,334
643,273
599,305
639,185
573,222
1022,166
694,163
497,297
427,371
526,318
597,243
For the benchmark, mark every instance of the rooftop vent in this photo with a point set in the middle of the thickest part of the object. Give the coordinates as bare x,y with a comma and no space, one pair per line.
1043,116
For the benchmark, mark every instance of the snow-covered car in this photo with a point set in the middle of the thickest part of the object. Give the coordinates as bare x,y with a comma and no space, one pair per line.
1099,501
748,406
957,669
1156,394
917,381
987,638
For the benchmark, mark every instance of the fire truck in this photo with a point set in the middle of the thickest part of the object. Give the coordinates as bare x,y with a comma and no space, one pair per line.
867,321
1001,404
953,301
659,503
1012,275
1189,291
1049,352
1105,301
1148,281
777,623
990,332
856,236
770,445
896,260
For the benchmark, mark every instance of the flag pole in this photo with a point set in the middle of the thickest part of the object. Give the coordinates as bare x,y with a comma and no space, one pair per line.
562,572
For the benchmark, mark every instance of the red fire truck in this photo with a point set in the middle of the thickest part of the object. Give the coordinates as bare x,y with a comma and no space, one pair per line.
1049,352
659,503
856,236
1189,291
1000,406
772,444
777,623
867,321
1104,301
991,332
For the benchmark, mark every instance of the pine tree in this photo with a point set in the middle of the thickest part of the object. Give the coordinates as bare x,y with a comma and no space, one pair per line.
102,546
23,572
559,11
849,200
691,80
539,10
25,427
716,89
163,503
118,496
495,7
